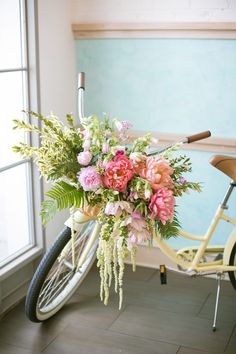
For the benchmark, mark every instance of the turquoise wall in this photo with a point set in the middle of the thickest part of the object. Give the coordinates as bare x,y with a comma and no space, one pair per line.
169,85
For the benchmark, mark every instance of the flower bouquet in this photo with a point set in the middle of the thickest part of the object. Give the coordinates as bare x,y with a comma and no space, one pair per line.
131,194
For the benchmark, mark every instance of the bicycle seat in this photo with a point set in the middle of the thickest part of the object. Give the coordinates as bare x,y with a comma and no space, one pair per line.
226,164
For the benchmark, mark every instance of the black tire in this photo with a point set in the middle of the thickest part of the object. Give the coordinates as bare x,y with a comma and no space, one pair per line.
50,262
232,261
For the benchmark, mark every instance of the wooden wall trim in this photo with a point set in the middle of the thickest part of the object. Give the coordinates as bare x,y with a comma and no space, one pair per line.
155,30
208,30
212,144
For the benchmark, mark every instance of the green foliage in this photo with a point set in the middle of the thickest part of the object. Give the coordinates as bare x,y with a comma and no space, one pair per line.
60,145
181,164
62,196
169,229
140,144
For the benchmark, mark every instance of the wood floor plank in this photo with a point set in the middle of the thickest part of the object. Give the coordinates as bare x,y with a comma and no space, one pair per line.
96,341
231,347
184,350
179,329
11,349
90,311
169,298
226,309
155,318
17,330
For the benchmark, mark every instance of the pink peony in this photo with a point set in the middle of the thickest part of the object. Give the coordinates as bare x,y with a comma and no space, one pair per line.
118,173
162,205
89,178
157,172
84,158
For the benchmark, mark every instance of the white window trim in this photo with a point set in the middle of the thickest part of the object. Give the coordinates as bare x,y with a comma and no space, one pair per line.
32,251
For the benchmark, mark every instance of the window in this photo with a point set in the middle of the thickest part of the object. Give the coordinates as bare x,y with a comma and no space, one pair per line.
17,186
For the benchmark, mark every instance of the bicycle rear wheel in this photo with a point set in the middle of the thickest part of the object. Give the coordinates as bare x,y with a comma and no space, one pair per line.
55,279
232,262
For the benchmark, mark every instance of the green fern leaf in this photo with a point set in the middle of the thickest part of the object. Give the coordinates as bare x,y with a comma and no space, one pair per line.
62,196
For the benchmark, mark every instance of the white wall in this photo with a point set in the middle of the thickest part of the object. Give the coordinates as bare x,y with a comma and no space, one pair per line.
56,44
57,70
153,10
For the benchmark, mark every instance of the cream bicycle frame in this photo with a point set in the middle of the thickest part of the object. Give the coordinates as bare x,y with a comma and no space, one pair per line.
195,265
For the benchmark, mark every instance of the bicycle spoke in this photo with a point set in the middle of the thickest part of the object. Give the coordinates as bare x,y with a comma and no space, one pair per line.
47,297
52,280
56,275
61,274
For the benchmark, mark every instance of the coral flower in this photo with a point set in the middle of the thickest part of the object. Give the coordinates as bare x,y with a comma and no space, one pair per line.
138,160
157,172
162,205
118,173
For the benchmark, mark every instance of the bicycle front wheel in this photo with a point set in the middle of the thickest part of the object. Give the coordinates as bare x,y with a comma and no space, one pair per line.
55,279
232,262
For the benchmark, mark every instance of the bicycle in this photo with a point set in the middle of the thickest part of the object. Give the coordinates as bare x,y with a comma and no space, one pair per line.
67,262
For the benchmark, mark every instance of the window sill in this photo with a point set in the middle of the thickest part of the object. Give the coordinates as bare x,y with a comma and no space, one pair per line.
20,262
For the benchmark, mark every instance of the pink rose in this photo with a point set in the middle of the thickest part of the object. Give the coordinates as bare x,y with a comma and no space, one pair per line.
84,158
162,205
89,178
157,172
118,173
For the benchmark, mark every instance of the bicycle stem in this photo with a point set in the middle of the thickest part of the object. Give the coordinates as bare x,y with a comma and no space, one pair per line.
81,89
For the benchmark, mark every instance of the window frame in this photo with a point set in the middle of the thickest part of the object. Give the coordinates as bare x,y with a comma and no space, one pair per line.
31,68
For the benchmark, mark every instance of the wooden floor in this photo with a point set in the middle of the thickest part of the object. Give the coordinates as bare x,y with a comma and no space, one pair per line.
172,318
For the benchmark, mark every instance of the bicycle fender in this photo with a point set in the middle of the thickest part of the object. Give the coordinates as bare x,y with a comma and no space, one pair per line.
229,246
76,220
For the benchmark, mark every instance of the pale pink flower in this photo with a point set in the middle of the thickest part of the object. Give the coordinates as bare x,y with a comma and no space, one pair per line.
123,125
116,208
105,148
118,173
137,228
89,178
162,205
86,144
84,158
182,180
157,172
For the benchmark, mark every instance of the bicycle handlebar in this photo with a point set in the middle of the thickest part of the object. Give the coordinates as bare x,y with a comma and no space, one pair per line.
203,135
81,80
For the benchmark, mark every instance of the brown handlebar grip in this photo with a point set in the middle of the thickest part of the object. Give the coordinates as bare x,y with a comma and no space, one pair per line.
81,80
199,136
